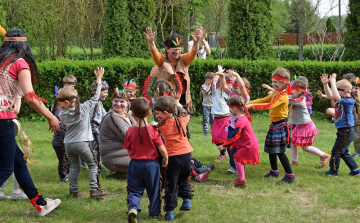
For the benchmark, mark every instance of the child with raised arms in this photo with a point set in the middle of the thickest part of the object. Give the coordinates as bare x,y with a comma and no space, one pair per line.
75,117
221,113
305,131
244,139
344,122
143,142
240,87
179,151
278,136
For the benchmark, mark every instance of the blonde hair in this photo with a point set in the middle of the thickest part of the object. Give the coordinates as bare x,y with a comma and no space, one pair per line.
246,82
282,72
67,93
69,79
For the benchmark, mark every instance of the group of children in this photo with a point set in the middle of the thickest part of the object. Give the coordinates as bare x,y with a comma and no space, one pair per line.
226,105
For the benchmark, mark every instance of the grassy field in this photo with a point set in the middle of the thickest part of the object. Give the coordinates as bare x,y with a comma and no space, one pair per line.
313,198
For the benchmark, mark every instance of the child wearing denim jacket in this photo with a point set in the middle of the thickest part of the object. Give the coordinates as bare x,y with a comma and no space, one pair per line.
344,122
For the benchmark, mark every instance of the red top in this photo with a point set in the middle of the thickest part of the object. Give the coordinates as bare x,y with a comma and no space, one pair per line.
176,143
13,72
245,142
148,149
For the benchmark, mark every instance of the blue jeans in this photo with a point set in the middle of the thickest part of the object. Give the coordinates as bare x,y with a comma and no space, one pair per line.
344,137
208,117
144,174
11,160
231,133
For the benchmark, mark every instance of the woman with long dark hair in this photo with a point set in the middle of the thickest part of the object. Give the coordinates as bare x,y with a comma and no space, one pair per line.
18,71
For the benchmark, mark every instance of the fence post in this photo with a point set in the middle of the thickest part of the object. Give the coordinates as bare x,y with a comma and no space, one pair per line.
59,42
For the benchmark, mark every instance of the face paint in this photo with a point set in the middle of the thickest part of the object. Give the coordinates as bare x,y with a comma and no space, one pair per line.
175,51
122,105
159,118
235,91
275,86
105,95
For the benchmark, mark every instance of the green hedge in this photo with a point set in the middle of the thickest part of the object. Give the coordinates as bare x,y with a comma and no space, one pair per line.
118,70
289,53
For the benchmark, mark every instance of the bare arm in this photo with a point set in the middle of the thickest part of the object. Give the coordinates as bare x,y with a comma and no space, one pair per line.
325,81
223,84
207,47
335,93
164,154
17,105
26,87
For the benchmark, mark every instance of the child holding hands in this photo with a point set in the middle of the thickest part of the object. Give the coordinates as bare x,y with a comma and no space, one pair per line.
179,151
278,136
304,132
244,139
143,142
75,117
344,122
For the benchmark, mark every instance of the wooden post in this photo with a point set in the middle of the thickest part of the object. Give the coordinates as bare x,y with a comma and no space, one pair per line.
301,44
59,42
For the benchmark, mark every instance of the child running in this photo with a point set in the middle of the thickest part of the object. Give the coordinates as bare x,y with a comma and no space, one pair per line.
75,117
244,139
344,122
179,151
278,136
143,142
304,132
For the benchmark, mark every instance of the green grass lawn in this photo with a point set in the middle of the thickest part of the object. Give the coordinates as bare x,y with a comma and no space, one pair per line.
313,198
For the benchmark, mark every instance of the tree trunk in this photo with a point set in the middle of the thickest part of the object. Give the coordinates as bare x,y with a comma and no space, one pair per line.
301,44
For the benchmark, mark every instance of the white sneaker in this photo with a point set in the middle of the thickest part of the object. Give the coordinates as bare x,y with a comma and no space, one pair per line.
231,170
50,205
3,197
19,196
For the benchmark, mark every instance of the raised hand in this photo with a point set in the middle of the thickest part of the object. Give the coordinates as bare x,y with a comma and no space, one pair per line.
320,94
324,78
150,36
99,72
197,35
332,78
220,68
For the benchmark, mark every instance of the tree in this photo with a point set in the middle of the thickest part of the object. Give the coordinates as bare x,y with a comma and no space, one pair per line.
282,17
117,34
330,26
141,15
351,38
250,29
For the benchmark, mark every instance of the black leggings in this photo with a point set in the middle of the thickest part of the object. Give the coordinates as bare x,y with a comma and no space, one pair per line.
284,162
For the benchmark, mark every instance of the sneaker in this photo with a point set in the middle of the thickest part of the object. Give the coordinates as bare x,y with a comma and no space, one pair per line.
239,183
186,205
98,193
272,174
63,180
355,155
324,160
19,196
294,163
4,197
169,216
201,177
288,179
211,166
76,193
103,169
50,205
133,216
232,170
206,133
355,173
330,173
203,170
220,158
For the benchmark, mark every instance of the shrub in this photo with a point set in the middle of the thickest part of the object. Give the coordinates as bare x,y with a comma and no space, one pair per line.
118,70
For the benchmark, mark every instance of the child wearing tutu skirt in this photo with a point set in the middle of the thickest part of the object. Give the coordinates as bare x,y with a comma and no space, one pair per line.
243,141
304,132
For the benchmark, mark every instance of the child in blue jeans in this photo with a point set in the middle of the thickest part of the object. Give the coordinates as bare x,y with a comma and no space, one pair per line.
207,103
143,142
344,122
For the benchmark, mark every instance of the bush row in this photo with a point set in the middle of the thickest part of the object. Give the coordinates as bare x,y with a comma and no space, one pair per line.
288,53
118,70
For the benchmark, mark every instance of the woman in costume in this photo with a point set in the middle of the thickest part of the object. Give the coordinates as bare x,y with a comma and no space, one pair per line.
17,72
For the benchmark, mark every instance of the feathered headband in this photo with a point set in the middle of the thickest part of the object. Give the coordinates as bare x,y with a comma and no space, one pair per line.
119,93
357,82
3,31
57,90
106,85
177,43
128,84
